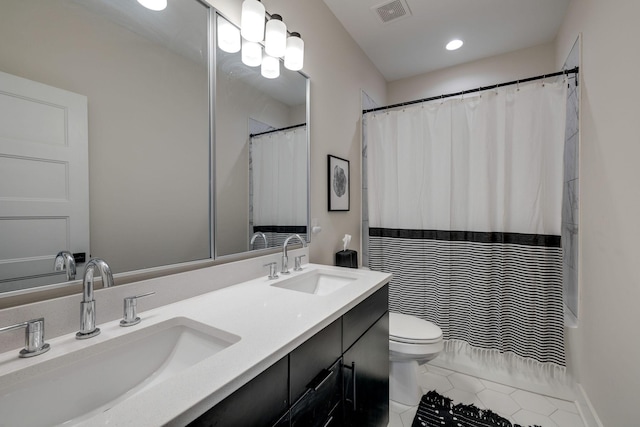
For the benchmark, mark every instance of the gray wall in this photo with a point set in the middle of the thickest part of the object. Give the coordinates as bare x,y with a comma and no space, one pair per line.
148,167
606,342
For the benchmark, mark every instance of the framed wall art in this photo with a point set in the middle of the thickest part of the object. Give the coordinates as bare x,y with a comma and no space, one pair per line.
339,182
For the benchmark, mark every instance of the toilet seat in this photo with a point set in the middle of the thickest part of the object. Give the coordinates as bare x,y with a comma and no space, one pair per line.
412,330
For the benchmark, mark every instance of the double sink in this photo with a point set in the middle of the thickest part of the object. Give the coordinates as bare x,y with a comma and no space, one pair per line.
74,387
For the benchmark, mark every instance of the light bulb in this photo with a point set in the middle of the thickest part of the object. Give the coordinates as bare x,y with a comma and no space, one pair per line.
228,36
275,38
252,21
270,68
156,5
251,53
454,44
294,55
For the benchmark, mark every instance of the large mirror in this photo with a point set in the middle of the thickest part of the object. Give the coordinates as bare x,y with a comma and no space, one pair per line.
262,144
106,138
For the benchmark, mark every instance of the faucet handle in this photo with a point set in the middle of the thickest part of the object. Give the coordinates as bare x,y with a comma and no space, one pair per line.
33,339
130,316
273,272
298,262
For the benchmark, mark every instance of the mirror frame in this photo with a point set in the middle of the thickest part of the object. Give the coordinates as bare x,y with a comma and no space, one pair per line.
57,290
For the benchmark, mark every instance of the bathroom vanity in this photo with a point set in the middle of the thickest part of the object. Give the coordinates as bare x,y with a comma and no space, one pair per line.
309,348
339,376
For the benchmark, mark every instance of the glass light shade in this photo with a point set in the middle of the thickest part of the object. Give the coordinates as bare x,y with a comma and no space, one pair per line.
154,4
252,20
275,38
294,56
251,53
270,67
228,36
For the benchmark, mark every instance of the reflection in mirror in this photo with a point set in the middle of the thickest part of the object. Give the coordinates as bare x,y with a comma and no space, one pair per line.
104,136
261,156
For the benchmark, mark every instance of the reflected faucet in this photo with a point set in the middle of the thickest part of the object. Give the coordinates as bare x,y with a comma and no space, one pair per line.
285,258
65,261
255,236
88,305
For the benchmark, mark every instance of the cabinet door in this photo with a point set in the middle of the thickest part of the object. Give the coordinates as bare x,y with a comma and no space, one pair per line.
319,405
361,317
366,377
314,356
259,403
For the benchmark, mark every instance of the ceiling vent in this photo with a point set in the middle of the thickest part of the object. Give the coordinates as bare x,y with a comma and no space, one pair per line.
391,11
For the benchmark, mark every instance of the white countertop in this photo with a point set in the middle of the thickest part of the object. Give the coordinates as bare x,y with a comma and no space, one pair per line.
270,322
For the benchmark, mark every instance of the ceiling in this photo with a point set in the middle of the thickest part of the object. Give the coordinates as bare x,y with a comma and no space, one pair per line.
415,43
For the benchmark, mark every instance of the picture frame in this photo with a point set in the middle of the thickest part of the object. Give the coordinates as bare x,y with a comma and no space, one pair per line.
339,181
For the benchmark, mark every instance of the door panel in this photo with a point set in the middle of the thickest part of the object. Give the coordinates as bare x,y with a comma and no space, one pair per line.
44,184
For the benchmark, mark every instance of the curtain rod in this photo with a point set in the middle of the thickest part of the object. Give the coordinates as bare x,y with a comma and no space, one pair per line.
575,70
277,130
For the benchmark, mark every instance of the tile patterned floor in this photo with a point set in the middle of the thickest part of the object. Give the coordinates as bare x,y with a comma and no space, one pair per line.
516,405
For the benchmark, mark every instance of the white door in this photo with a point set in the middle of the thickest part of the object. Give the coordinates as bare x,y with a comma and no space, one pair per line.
44,180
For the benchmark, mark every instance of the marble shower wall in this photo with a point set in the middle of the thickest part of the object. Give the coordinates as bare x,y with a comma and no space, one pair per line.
571,190
367,104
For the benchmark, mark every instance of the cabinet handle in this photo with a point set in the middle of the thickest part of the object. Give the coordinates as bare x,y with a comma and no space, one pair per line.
328,421
316,383
353,381
353,366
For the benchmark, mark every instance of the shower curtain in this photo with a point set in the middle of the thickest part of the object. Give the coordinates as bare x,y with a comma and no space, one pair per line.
278,205
464,208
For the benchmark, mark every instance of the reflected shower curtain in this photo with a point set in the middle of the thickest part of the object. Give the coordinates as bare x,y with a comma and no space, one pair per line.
279,184
464,209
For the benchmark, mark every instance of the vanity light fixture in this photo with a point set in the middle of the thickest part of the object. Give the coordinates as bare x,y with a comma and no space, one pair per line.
228,36
252,20
270,67
251,53
294,55
275,38
156,5
278,42
454,44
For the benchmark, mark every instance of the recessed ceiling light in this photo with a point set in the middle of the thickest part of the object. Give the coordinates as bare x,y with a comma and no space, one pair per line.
154,4
454,44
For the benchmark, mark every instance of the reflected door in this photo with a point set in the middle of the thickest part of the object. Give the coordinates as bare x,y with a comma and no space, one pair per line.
44,188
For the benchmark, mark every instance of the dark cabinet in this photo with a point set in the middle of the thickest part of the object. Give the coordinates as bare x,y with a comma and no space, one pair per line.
313,357
366,377
260,403
338,377
360,318
319,406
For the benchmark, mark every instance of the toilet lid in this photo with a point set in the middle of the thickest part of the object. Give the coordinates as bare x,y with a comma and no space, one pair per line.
410,329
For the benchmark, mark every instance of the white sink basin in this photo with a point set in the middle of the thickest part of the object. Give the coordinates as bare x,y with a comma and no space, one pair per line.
318,282
76,386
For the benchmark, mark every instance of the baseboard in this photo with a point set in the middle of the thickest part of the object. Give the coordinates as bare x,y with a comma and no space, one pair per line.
587,412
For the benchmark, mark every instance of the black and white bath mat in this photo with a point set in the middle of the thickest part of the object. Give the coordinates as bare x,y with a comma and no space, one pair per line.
436,410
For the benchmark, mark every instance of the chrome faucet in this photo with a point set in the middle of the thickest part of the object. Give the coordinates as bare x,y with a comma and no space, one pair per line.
285,257
34,337
65,261
255,236
88,305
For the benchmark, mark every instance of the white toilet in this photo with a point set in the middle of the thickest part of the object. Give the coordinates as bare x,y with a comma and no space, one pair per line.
412,342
